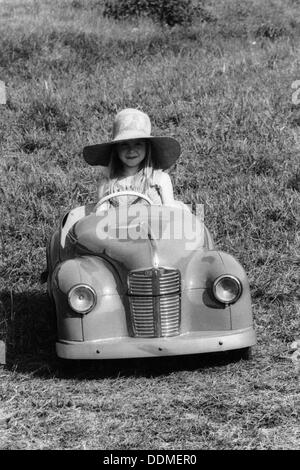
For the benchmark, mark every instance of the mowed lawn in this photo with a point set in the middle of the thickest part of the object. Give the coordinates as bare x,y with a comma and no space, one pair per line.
223,87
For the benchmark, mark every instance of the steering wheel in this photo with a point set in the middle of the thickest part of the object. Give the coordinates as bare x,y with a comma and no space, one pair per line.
123,193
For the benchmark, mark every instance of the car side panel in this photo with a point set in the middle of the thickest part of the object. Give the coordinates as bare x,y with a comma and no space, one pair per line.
53,251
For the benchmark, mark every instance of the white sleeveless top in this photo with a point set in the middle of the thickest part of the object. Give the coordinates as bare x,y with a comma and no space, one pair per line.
126,184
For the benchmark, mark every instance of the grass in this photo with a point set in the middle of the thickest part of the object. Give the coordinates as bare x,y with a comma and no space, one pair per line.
223,88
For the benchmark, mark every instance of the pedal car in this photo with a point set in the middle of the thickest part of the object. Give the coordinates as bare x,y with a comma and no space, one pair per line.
144,281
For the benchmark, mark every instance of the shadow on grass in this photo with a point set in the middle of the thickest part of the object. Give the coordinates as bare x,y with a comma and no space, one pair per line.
28,328
142,367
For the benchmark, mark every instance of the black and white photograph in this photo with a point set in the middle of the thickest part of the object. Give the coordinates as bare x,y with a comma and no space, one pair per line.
149,228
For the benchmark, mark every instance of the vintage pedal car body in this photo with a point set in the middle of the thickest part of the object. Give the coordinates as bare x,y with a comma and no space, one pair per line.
144,281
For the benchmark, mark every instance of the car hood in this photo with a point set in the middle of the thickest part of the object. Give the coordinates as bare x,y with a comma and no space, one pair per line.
140,235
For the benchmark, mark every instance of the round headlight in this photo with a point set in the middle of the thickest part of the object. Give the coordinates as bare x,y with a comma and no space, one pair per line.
227,289
82,298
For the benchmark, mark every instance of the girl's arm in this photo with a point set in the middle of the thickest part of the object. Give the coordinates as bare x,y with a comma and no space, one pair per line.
166,189
102,191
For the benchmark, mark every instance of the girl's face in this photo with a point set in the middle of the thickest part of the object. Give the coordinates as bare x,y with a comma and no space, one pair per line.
131,153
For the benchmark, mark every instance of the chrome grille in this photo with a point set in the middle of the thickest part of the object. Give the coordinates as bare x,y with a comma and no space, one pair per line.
169,309
140,284
142,316
154,298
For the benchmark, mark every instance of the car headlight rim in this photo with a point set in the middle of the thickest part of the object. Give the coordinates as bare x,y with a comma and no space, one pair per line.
89,290
235,296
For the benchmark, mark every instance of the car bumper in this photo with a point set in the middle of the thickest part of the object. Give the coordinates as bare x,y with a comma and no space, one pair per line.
127,347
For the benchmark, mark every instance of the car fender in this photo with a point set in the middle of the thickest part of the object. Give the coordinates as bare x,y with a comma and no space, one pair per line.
92,270
103,278
201,272
205,266
241,311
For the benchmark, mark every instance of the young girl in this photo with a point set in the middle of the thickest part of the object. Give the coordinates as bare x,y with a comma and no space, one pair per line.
134,161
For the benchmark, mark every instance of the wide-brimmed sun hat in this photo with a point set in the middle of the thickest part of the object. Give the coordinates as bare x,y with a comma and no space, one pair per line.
132,124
